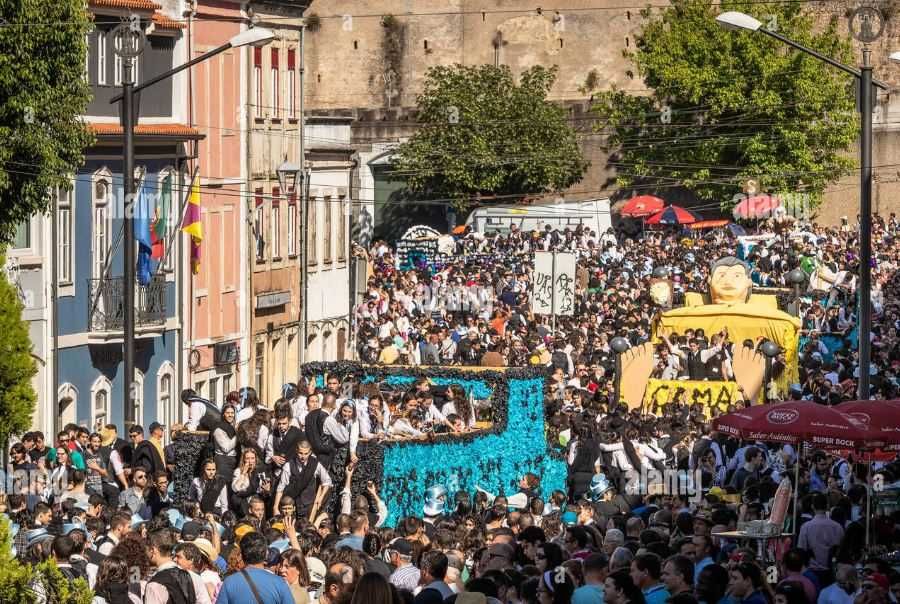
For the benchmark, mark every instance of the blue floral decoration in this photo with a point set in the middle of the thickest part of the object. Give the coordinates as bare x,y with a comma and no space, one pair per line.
494,460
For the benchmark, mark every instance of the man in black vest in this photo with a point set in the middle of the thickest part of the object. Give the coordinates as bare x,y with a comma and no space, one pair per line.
281,446
305,480
323,432
695,362
170,584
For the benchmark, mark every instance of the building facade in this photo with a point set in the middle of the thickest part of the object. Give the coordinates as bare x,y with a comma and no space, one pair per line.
216,350
89,248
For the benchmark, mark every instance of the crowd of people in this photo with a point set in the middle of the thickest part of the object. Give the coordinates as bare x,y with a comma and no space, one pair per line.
274,515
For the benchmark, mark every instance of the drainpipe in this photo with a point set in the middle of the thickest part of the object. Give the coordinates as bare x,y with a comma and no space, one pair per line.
54,276
304,206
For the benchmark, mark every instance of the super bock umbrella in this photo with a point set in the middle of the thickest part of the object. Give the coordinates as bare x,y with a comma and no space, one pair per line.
674,215
642,205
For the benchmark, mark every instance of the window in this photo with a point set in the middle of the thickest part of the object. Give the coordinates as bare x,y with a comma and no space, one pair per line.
328,206
311,243
118,63
164,379
276,89
226,384
343,212
213,390
64,232
137,397
260,360
292,224
101,58
100,394
276,222
22,240
291,84
257,80
259,224
101,226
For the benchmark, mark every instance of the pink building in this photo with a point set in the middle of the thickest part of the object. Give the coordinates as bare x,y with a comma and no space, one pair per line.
213,299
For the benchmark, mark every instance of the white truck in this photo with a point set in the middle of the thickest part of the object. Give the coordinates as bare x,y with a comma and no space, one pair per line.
592,213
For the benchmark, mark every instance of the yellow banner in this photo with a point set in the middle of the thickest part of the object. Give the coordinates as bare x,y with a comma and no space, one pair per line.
712,395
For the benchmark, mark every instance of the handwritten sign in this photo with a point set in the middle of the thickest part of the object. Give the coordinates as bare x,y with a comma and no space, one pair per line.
554,283
714,396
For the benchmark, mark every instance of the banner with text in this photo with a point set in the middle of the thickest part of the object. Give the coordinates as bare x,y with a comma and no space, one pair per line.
712,395
554,283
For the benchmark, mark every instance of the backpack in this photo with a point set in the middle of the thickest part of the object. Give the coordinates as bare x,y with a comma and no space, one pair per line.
73,572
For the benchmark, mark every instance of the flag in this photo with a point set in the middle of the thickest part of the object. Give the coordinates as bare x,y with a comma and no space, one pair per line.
142,234
192,225
158,234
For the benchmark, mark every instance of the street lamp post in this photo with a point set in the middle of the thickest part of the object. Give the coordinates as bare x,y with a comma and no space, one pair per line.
619,345
128,117
740,21
770,350
796,278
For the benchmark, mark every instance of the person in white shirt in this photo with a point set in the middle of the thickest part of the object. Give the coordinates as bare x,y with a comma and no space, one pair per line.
459,404
374,417
346,417
196,409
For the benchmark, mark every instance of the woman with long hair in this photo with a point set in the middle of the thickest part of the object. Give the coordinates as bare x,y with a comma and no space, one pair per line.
346,416
112,583
459,403
248,480
209,490
292,567
133,550
59,475
224,441
548,556
583,452
619,588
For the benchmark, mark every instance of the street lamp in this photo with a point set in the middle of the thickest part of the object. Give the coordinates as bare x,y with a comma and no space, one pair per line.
734,20
770,350
619,345
796,278
132,46
287,176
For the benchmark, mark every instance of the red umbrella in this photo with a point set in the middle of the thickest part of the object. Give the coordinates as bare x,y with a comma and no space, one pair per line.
758,206
881,419
674,215
793,422
642,205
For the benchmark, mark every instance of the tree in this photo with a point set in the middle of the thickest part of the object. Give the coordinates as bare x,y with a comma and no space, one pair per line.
42,95
17,396
484,134
20,581
726,106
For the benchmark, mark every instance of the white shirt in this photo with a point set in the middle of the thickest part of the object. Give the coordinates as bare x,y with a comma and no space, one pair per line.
321,475
365,423
196,411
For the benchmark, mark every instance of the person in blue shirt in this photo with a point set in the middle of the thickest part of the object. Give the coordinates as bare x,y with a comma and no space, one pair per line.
255,583
645,572
595,569
747,584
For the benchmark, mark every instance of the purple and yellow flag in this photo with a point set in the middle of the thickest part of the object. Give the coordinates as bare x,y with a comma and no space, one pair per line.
192,224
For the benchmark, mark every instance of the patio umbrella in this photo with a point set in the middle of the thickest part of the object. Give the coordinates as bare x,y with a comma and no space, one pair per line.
674,215
794,422
880,418
758,206
641,206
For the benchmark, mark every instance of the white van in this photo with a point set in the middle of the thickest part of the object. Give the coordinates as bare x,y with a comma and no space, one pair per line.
592,213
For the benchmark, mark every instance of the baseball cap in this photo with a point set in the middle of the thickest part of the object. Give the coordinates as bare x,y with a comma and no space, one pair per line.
107,437
317,570
207,548
191,530
402,547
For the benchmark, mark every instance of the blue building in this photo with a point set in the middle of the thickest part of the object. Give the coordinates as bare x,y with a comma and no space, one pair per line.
90,243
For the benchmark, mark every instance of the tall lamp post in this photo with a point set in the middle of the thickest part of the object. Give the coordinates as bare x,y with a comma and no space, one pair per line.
770,350
796,278
740,21
619,345
128,115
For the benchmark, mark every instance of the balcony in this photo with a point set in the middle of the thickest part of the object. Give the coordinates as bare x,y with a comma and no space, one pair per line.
106,312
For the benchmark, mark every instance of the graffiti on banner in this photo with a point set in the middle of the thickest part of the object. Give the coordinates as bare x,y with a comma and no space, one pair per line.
714,396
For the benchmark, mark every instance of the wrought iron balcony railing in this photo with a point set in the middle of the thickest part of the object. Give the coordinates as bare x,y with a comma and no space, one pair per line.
106,310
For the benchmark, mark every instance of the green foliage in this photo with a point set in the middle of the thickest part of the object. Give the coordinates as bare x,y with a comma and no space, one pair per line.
740,104
42,95
17,367
20,581
484,134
